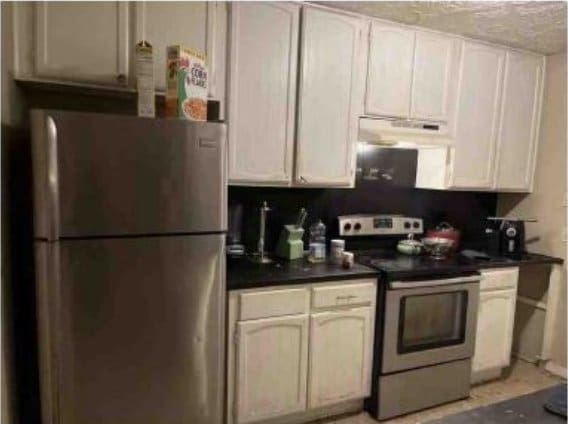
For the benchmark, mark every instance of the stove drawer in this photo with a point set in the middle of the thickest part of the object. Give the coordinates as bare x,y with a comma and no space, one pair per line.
356,292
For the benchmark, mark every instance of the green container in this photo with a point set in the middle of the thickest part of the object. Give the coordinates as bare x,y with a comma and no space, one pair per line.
290,244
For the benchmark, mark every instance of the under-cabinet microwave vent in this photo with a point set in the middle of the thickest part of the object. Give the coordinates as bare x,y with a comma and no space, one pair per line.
403,132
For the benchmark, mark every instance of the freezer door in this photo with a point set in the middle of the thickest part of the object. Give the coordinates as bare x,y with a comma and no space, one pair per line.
132,330
100,175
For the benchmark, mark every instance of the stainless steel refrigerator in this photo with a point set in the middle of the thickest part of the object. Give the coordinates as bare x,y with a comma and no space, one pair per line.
129,222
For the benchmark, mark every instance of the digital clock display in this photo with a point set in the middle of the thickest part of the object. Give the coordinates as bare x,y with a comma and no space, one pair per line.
382,223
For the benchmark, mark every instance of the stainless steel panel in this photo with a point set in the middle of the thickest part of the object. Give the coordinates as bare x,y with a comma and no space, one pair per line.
136,330
434,283
99,175
395,361
421,388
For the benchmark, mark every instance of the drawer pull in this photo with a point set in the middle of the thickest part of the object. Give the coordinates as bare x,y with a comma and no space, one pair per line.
348,297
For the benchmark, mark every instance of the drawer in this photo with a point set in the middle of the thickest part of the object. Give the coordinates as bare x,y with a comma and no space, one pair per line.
498,279
273,303
360,292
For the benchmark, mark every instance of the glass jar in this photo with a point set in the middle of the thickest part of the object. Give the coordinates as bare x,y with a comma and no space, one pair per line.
317,242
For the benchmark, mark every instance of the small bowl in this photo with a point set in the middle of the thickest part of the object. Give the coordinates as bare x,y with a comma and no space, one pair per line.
409,247
438,247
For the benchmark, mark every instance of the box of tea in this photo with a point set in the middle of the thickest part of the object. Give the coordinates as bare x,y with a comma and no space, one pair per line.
186,84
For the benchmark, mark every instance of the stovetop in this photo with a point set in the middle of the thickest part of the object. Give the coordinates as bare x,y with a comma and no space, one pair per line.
394,265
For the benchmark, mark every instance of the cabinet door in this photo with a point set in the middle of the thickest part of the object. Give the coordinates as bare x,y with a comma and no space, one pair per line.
520,119
331,98
82,41
167,23
432,76
272,356
494,335
389,75
262,97
341,346
479,97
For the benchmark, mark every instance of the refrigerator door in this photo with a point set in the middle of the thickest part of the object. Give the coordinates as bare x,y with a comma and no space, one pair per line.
132,330
100,175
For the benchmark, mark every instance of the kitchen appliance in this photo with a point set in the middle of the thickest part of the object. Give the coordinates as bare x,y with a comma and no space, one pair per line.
401,133
511,235
425,332
130,220
372,225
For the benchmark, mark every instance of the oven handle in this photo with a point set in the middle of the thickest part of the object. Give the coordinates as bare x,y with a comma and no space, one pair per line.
434,283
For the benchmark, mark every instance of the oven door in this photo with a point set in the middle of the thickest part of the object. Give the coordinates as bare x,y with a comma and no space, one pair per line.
429,322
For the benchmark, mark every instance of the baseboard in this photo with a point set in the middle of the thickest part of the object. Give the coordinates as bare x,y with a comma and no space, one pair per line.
555,369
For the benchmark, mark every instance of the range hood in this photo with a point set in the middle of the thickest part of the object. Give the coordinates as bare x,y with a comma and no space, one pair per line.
403,133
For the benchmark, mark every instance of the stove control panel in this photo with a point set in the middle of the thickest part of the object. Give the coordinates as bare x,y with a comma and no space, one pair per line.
378,225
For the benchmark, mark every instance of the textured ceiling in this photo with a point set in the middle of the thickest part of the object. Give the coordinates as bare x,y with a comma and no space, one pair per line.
539,26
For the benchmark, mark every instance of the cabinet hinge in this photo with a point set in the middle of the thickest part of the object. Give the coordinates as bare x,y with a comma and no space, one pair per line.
236,337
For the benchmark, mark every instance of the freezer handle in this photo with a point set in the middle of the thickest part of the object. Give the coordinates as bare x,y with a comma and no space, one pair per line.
434,283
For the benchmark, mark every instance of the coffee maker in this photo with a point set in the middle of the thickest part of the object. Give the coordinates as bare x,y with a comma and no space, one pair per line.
506,236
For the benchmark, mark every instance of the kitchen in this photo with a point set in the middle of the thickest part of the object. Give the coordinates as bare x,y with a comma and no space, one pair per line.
358,131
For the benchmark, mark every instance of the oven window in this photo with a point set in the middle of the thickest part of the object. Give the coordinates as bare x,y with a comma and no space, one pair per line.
431,321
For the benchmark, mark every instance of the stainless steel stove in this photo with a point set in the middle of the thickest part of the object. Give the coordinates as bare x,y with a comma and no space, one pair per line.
427,314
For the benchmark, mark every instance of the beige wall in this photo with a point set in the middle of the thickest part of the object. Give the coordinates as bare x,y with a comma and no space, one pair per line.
547,203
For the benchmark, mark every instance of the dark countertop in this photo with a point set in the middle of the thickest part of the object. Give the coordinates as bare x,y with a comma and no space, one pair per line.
245,274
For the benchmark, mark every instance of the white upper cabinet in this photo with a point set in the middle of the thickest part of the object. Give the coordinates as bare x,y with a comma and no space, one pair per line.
434,69
341,350
477,116
82,42
330,97
272,356
520,118
389,77
169,23
411,74
262,92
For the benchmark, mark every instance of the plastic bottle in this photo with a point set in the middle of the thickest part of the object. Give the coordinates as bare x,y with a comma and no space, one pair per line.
317,242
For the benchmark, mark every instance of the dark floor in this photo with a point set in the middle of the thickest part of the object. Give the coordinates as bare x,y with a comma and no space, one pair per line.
519,379
524,409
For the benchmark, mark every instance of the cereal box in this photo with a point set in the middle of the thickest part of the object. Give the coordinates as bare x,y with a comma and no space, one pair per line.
186,84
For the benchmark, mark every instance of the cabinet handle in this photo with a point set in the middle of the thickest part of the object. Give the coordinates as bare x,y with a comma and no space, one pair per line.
121,78
348,297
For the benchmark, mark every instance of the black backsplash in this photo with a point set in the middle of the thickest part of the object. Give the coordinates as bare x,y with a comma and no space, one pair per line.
464,210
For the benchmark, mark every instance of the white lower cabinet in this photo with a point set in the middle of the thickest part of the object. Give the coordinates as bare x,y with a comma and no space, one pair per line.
340,356
272,367
293,351
495,321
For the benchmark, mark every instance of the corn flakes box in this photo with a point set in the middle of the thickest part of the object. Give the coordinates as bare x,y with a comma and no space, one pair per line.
186,84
